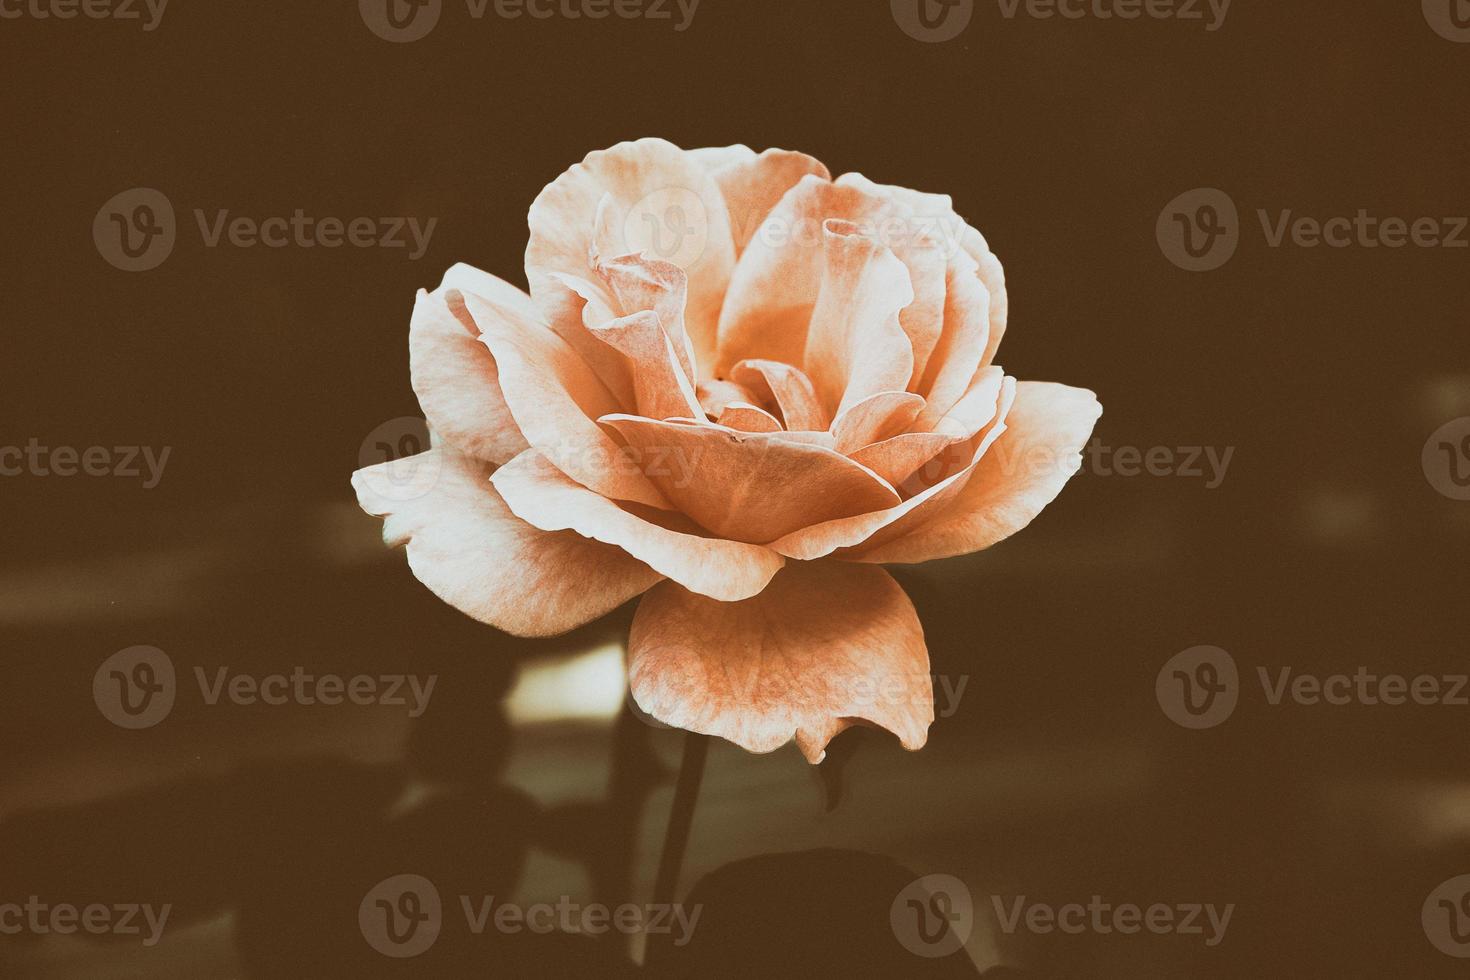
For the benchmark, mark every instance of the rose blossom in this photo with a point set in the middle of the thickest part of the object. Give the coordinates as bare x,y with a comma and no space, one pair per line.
737,388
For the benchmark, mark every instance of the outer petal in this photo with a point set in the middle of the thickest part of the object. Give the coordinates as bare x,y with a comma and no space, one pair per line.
1025,470
820,649
472,552
753,185
649,196
542,495
751,487
554,396
458,383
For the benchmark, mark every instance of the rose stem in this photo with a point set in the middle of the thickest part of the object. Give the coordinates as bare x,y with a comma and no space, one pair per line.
681,818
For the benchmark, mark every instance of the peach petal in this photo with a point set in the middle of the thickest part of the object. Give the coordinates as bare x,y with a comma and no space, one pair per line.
749,418
661,389
466,546
898,458
543,496
960,351
749,487
571,307
651,196
554,396
458,383
856,347
977,406
937,212
1026,470
788,387
874,419
753,185
842,536
775,285
715,395
639,283
820,649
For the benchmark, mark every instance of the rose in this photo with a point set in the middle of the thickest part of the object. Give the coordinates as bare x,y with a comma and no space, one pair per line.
739,387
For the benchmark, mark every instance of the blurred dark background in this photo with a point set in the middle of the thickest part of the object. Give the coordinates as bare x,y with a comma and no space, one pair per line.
1325,548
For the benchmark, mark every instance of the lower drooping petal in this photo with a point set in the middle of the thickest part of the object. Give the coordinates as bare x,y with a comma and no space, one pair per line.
466,546
544,496
1024,471
825,646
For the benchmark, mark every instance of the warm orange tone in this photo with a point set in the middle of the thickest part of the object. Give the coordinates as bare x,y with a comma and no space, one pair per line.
745,432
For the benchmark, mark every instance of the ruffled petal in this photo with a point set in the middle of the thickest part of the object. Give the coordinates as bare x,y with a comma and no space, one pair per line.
856,347
788,388
1024,471
875,418
466,546
827,645
753,185
843,536
749,487
458,383
661,389
540,494
554,396
647,196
